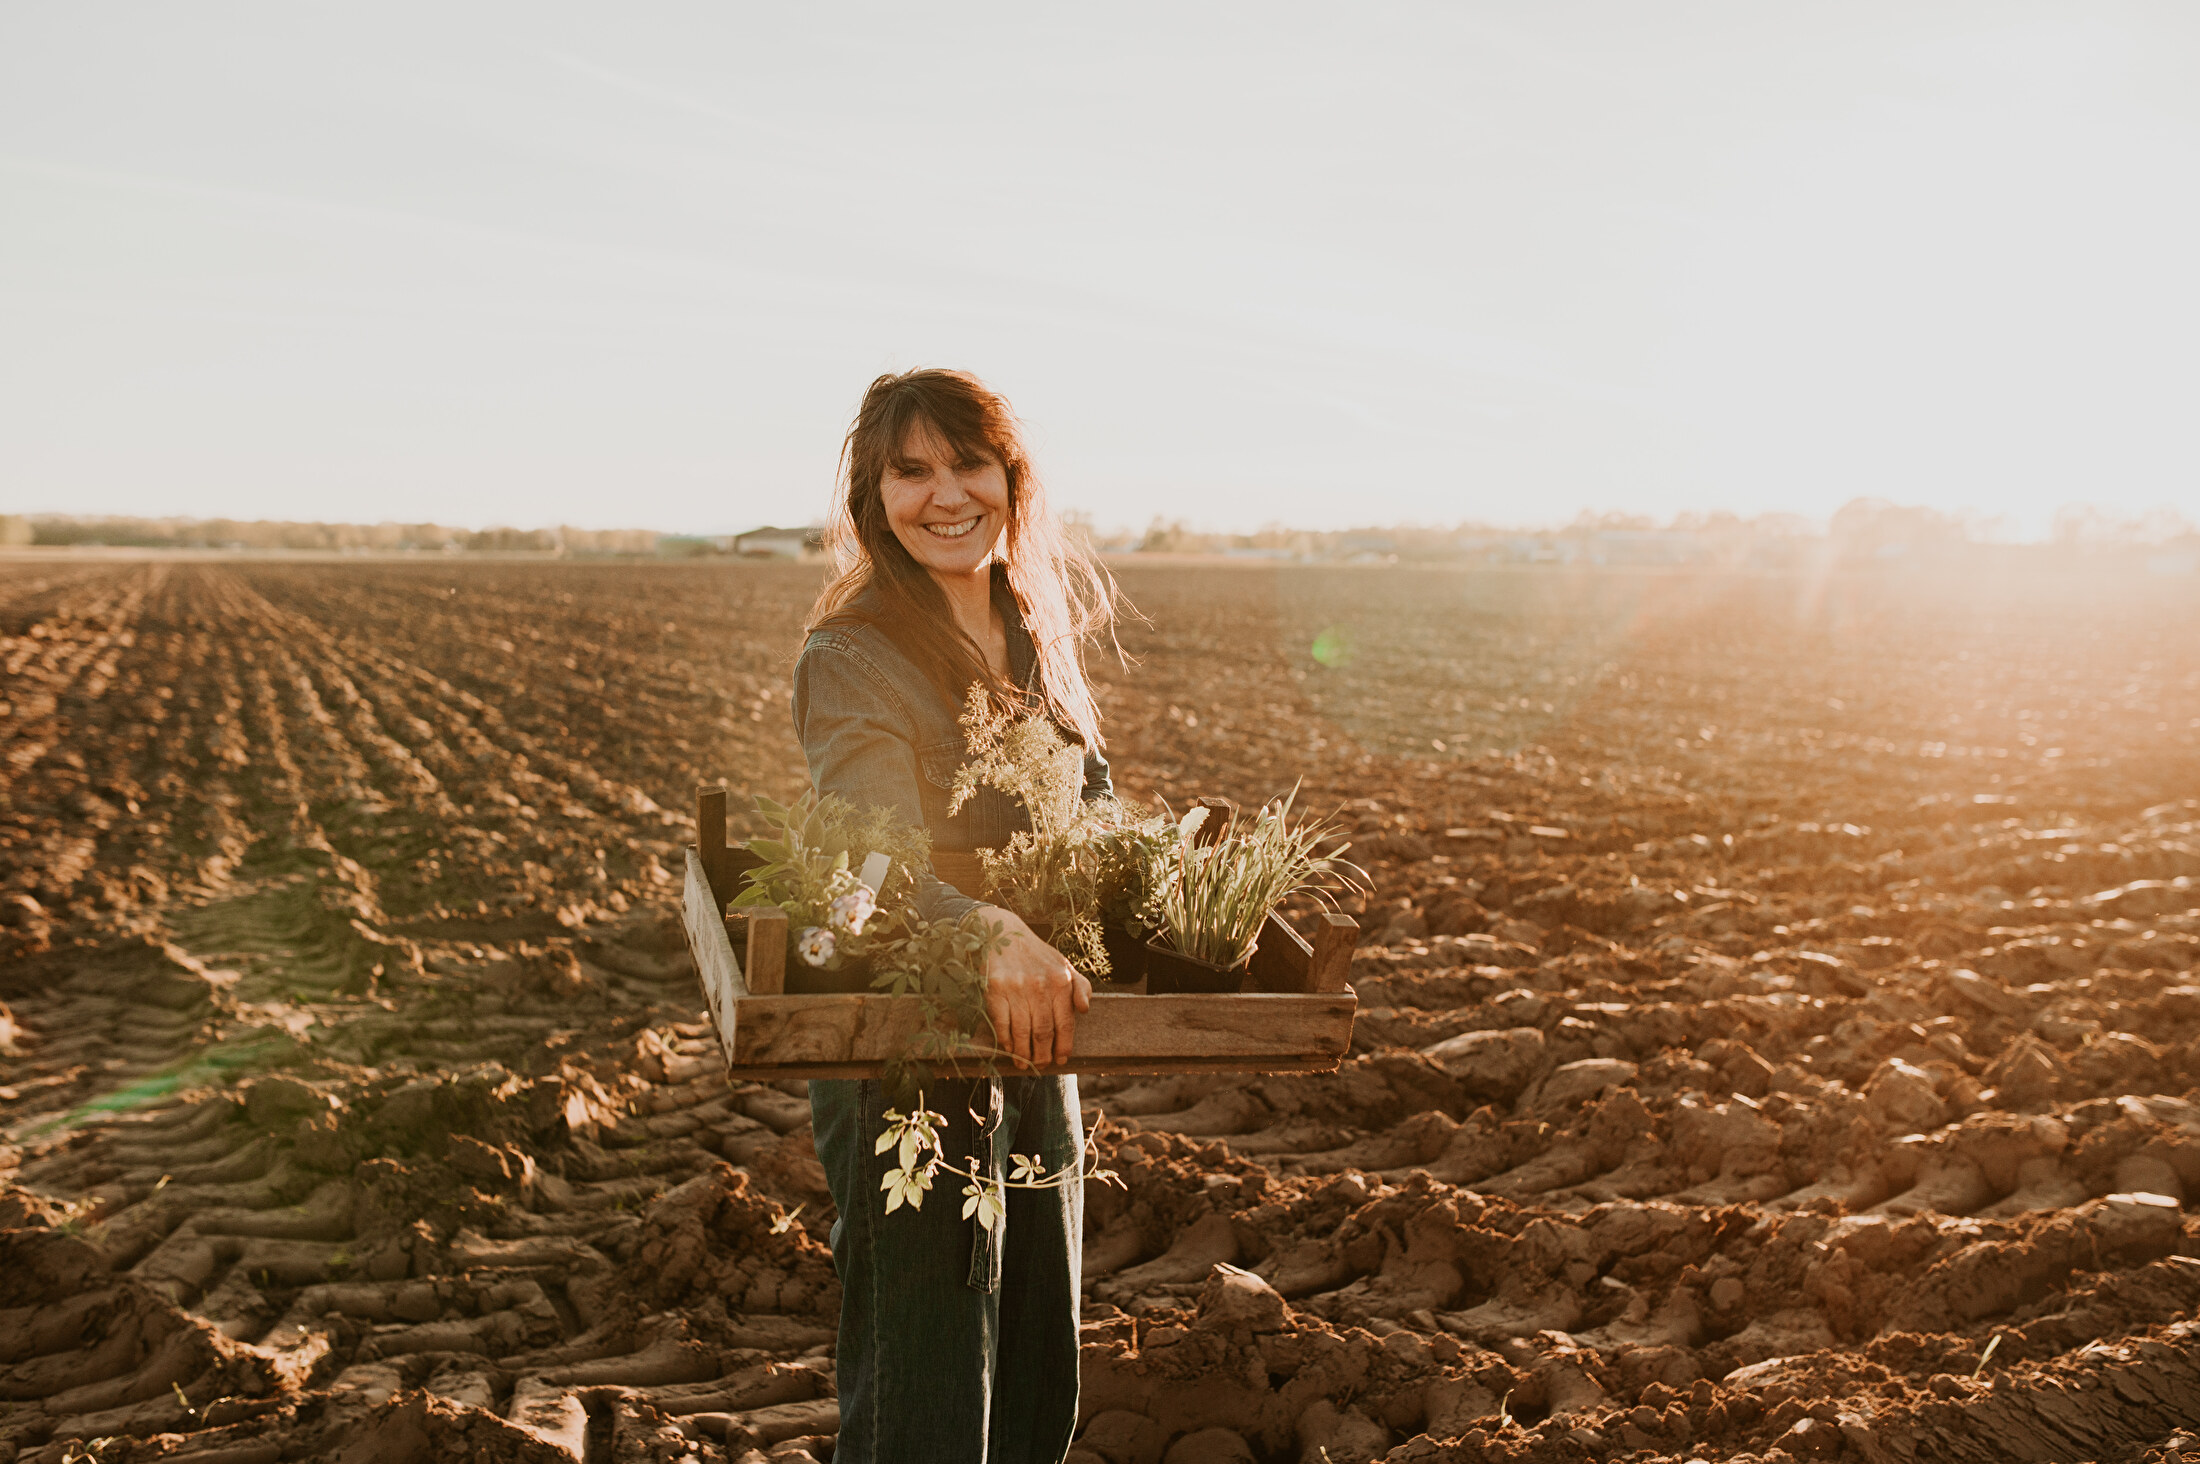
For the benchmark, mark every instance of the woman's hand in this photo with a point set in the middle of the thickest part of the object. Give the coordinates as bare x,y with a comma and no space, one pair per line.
1032,995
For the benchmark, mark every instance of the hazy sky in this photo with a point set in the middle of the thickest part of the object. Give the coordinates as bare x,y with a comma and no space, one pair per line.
1322,264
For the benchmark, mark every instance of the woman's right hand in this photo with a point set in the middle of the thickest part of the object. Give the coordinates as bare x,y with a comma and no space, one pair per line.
1032,995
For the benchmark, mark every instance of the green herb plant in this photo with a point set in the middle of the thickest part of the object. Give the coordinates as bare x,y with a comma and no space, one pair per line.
1132,845
1209,901
942,963
833,919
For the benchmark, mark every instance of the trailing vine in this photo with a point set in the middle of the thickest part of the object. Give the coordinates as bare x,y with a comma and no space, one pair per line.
920,1158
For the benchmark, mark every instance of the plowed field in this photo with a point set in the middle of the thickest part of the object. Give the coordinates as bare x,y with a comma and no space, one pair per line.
1778,1029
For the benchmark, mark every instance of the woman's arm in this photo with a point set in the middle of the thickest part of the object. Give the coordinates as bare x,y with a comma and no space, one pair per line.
1099,783
859,741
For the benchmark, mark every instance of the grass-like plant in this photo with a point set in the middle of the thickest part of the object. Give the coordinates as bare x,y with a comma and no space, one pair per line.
1209,901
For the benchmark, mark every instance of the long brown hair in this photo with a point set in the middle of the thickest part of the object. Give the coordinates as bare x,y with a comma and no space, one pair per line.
1063,593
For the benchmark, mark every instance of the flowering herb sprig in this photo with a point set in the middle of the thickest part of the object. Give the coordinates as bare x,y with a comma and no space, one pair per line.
919,1160
1082,860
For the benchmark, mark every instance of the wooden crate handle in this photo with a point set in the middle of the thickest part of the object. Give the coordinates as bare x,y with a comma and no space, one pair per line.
764,971
710,835
1335,936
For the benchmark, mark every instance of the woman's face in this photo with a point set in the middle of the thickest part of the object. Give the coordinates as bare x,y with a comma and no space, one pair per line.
947,509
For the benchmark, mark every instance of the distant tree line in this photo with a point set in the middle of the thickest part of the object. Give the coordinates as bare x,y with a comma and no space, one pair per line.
222,533
1863,530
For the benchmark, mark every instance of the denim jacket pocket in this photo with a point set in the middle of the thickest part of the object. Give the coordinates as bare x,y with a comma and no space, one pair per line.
941,761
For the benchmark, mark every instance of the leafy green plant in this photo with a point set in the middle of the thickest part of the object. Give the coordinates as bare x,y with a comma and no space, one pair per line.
1208,901
942,963
1133,844
833,919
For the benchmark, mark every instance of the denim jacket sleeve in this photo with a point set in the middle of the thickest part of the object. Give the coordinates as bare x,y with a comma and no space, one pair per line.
1099,783
859,739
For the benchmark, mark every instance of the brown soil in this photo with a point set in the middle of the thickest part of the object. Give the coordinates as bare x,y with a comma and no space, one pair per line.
1778,1035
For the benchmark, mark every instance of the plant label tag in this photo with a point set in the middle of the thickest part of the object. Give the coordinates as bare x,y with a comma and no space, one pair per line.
875,866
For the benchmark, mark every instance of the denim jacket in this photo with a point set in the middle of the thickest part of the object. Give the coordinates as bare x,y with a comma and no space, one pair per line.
876,732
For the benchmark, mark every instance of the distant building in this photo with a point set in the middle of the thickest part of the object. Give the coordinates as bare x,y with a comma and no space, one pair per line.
1531,549
770,543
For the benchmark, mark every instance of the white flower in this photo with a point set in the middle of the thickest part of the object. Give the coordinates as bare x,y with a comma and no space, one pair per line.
851,910
814,945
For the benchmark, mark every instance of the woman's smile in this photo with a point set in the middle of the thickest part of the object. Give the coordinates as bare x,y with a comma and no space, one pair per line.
954,530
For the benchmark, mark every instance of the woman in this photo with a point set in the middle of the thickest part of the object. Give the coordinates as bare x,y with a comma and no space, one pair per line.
957,1343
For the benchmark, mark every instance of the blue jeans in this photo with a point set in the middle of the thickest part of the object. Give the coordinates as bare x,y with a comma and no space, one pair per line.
957,1345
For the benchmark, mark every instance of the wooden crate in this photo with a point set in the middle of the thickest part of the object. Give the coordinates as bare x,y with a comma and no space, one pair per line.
1298,1021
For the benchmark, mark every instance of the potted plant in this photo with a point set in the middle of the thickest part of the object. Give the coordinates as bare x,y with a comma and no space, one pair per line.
837,925
848,936
1208,901
1132,846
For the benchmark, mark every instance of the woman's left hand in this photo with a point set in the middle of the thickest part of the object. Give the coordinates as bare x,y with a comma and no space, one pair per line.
1032,995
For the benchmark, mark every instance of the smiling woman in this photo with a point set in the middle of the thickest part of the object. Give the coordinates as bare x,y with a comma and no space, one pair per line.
957,1341
931,452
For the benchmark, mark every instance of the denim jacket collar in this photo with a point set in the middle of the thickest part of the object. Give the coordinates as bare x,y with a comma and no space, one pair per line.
1023,654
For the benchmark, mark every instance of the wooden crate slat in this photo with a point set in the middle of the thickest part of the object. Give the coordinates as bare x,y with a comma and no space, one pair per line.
767,950
826,1036
1281,958
715,964
1330,965
710,833
962,870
